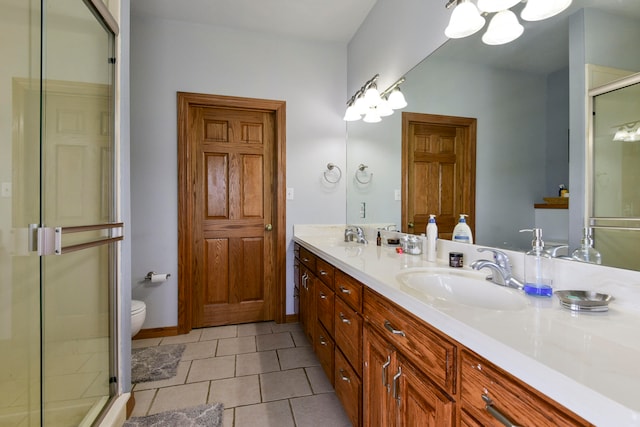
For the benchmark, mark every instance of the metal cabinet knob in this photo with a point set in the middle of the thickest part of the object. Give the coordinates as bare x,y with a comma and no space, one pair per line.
268,227
410,225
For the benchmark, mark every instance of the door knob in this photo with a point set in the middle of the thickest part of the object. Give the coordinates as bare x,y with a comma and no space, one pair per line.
268,227
410,225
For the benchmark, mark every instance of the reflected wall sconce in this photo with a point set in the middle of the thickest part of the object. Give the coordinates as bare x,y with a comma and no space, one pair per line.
370,105
627,132
504,27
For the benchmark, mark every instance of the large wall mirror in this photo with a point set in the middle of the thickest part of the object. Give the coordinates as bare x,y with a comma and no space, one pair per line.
530,101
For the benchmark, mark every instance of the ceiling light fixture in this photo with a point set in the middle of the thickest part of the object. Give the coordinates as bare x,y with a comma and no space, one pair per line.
466,19
627,132
374,105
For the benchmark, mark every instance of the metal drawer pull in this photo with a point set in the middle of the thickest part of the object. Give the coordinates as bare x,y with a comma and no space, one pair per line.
305,259
344,319
345,290
322,295
323,273
322,340
495,413
344,377
391,329
304,281
395,384
384,372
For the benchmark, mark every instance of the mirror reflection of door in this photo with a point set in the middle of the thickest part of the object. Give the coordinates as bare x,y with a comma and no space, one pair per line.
439,164
616,176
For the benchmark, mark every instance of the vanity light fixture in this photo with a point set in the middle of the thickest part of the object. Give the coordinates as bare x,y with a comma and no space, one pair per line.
467,19
374,105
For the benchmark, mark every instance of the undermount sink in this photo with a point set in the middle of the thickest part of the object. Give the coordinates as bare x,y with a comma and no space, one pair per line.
448,287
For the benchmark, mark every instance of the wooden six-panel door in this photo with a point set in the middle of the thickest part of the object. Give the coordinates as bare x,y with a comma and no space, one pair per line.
438,163
231,183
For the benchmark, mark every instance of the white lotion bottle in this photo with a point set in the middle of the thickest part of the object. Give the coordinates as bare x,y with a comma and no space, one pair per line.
432,236
462,231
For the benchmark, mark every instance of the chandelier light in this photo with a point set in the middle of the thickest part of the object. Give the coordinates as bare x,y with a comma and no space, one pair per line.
467,18
370,105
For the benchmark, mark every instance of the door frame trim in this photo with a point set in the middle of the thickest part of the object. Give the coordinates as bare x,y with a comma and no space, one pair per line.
186,199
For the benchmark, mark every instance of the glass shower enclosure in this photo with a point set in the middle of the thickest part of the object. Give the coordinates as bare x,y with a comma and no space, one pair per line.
58,214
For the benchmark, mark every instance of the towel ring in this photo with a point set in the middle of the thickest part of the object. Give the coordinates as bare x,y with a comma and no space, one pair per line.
361,169
330,168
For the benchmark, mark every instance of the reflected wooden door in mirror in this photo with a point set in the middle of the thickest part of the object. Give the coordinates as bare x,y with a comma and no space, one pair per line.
439,160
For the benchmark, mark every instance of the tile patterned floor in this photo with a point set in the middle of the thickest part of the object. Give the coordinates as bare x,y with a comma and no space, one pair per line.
265,374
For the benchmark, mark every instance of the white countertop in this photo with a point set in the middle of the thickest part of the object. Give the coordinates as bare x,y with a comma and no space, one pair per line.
588,362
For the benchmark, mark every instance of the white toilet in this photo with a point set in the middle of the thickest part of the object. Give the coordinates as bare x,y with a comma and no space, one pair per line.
138,313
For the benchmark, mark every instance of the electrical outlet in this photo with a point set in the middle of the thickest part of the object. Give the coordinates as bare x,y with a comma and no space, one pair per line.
396,195
289,193
363,210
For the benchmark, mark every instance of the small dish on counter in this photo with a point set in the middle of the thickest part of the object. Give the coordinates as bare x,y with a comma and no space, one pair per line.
584,300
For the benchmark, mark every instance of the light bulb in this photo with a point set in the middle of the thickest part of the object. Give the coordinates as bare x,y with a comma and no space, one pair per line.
465,20
537,10
372,116
352,114
396,99
372,97
503,28
384,108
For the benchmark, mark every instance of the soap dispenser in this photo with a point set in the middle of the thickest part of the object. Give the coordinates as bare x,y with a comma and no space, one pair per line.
462,232
537,267
586,252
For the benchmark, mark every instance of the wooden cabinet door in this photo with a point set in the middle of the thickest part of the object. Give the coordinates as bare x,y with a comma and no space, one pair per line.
376,380
308,315
419,402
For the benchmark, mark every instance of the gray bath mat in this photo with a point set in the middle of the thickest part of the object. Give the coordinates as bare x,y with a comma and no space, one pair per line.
203,415
155,363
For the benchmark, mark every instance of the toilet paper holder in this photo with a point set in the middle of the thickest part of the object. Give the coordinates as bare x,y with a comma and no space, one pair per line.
150,275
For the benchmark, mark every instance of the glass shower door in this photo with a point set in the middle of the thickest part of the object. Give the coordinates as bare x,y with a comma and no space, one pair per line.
77,214
19,206
615,186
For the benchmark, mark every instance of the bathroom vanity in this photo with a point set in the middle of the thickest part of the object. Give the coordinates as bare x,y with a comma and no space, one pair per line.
397,357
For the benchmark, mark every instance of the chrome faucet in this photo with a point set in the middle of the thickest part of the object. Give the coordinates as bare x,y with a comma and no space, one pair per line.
553,252
353,232
500,267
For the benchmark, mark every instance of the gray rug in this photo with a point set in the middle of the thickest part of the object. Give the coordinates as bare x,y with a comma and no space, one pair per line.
155,363
203,415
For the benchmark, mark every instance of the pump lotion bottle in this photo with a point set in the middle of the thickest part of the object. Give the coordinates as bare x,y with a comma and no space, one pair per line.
537,267
432,236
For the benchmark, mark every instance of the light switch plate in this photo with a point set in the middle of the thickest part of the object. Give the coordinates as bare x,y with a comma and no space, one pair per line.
396,195
289,193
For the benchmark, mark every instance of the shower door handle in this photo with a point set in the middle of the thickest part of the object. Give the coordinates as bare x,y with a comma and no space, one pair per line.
49,239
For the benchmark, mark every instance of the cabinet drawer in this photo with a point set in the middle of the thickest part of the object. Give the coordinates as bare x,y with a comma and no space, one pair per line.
430,352
325,349
348,334
324,306
296,250
348,388
325,272
349,289
308,259
518,402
